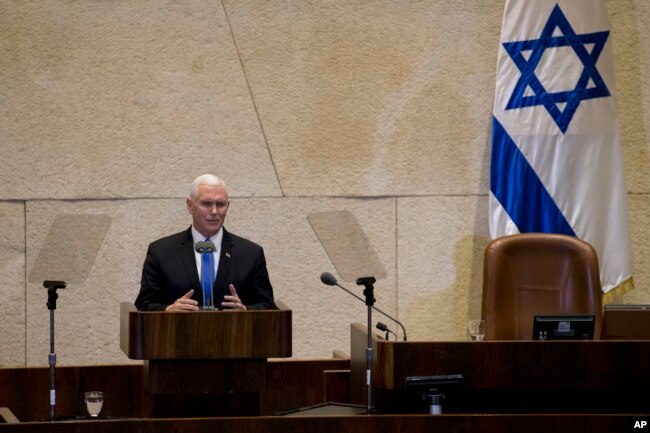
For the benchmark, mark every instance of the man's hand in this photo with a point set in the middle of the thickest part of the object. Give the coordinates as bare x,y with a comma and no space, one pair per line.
184,303
232,301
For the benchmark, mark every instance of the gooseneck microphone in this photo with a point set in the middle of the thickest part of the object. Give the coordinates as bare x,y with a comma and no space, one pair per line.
330,280
384,328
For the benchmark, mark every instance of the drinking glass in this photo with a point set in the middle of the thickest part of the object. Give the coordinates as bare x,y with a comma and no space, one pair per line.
94,402
476,329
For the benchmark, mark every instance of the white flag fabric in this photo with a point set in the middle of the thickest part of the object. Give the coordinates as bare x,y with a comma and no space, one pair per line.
557,164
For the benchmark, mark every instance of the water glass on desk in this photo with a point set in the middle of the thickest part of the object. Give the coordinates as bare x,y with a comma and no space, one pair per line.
476,330
94,402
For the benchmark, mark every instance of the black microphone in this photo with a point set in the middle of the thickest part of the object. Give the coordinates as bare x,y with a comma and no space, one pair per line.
330,280
383,327
204,247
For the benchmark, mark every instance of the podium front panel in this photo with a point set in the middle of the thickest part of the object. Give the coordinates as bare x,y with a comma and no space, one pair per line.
252,334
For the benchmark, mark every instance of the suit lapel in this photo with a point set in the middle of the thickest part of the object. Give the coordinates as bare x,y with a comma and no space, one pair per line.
189,264
224,269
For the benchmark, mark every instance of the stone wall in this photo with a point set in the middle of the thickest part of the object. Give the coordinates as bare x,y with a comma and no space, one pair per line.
381,108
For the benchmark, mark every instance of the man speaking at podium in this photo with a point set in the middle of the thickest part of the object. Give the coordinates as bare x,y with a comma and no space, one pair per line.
171,274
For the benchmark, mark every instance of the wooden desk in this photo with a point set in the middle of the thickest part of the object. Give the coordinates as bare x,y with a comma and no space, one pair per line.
510,376
626,322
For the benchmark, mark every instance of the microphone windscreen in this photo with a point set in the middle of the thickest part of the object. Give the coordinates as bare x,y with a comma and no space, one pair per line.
327,278
204,247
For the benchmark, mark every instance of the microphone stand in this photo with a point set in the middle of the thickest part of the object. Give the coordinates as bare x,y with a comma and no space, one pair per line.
52,287
368,282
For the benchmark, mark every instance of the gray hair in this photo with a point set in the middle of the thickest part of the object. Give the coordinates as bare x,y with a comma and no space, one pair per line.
205,179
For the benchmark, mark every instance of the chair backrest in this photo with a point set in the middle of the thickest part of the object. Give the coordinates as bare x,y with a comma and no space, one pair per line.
532,274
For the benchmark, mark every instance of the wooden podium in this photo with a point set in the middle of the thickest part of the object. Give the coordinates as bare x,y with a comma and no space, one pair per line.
207,359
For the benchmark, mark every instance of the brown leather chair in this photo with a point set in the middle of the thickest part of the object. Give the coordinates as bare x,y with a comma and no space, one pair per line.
532,274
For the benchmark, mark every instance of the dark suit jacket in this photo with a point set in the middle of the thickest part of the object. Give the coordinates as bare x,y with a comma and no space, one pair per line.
170,271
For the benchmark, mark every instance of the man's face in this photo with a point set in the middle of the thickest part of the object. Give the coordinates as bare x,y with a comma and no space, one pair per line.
209,209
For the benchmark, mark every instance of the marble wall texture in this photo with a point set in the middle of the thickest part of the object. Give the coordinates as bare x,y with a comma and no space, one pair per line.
381,108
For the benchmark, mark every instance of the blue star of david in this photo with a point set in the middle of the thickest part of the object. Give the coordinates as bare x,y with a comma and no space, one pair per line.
529,80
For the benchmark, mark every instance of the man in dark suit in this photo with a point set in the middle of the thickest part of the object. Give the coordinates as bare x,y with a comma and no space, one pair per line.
172,267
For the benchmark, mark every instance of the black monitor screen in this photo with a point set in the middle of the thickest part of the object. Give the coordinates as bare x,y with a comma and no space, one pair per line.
564,327
426,383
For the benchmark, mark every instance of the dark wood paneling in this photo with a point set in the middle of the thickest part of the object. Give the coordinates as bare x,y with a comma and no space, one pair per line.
26,391
510,376
206,334
350,424
198,376
336,384
626,324
289,384
293,384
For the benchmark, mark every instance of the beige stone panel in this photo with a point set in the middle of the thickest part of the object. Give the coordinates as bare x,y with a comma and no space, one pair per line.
87,315
440,248
373,98
440,273
124,99
12,290
321,314
87,323
631,46
640,235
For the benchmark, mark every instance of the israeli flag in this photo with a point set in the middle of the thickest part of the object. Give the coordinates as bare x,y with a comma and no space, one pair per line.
557,164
